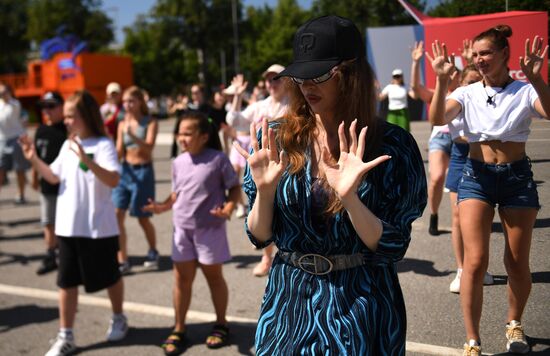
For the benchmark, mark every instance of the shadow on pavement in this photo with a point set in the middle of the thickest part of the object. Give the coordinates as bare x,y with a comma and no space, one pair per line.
14,223
533,342
241,335
21,315
420,267
245,261
7,258
30,236
539,224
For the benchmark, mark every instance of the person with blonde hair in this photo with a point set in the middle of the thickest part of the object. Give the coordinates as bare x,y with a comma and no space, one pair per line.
86,170
135,143
496,113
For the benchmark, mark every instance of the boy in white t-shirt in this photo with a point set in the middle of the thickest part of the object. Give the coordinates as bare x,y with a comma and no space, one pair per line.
86,169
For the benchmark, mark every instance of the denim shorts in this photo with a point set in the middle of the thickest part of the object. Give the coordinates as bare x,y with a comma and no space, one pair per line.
135,188
459,155
441,142
12,157
508,185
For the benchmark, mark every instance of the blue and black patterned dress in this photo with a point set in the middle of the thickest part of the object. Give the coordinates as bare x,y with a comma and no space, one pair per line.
358,311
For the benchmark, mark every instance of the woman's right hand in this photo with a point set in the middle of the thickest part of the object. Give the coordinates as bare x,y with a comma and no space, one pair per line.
27,146
239,83
417,51
442,65
266,165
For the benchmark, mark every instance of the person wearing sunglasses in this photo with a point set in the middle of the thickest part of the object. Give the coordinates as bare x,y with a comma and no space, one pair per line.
396,93
272,107
48,140
338,201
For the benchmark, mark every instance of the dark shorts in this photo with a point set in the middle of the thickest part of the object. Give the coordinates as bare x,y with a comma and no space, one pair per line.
11,156
136,187
459,155
91,262
508,185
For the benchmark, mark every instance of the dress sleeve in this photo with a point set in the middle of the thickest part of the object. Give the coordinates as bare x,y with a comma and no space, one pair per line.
402,194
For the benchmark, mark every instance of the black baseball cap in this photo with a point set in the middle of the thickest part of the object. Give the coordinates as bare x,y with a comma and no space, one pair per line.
322,43
51,98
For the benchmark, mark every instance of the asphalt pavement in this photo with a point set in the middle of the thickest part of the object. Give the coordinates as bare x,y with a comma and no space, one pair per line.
28,306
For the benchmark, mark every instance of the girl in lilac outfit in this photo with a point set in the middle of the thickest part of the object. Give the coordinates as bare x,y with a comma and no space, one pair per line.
201,175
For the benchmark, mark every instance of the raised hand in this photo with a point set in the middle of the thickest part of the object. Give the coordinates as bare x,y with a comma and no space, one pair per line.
344,176
79,151
467,51
266,165
239,83
418,51
441,62
27,146
531,64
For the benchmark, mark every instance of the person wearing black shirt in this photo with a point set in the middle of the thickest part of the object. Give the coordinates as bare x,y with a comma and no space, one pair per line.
49,138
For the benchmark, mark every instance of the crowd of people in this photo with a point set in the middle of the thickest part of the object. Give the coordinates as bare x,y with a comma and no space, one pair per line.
332,189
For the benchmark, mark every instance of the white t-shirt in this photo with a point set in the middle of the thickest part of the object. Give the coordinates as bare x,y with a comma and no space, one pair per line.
507,119
397,96
10,119
84,205
268,108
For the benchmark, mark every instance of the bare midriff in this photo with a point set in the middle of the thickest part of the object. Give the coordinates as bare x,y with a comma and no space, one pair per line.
497,152
137,155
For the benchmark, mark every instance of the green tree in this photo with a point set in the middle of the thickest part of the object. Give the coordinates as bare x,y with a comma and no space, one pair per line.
455,8
82,18
13,44
367,13
269,36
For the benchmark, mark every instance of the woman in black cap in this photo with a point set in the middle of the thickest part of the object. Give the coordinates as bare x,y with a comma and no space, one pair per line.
337,200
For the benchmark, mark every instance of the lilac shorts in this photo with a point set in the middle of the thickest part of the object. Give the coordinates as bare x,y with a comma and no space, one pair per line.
207,245
234,156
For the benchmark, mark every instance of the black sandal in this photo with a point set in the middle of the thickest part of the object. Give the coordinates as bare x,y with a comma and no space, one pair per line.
174,343
217,337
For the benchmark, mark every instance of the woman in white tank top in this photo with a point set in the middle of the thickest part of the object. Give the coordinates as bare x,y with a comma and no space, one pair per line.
496,113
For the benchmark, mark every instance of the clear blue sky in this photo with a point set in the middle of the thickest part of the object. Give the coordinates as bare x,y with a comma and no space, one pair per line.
124,12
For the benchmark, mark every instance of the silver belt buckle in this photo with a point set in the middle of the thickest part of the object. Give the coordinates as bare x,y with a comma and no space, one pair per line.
309,263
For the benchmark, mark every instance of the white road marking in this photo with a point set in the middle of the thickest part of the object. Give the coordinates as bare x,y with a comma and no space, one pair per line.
191,314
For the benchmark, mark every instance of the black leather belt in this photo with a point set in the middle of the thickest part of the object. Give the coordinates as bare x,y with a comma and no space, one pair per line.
139,166
320,265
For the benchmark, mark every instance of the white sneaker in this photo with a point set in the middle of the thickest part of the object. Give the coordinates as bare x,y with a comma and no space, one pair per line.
61,346
488,279
241,211
517,342
118,328
454,287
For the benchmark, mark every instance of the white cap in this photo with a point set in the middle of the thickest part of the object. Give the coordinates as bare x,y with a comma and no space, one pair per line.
274,68
113,87
396,71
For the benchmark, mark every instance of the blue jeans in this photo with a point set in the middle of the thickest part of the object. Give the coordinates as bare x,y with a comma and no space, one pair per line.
135,188
459,155
510,185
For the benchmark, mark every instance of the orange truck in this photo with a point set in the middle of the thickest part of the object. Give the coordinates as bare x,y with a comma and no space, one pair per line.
66,74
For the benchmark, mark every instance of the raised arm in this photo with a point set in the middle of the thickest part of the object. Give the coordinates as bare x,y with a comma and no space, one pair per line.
531,66
442,111
418,90
107,177
39,165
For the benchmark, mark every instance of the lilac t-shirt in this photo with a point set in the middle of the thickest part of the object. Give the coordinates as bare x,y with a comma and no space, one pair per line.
200,182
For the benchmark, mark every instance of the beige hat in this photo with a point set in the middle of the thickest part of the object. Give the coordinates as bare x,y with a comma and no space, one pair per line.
274,68
113,87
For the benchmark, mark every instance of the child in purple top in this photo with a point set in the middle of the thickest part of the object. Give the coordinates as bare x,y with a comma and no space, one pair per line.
201,174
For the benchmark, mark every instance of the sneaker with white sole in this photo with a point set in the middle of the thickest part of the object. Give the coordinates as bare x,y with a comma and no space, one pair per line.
118,328
61,346
454,287
517,342
152,259
125,267
472,348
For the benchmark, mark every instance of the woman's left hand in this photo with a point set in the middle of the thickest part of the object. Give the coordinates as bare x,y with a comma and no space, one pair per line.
344,176
531,64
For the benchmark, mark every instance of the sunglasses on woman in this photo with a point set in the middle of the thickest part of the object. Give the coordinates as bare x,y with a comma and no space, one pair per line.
320,79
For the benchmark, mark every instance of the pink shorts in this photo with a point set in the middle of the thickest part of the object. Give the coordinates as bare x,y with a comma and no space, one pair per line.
207,245
234,156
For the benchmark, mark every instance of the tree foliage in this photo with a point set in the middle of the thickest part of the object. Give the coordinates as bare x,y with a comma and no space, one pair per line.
13,43
82,18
